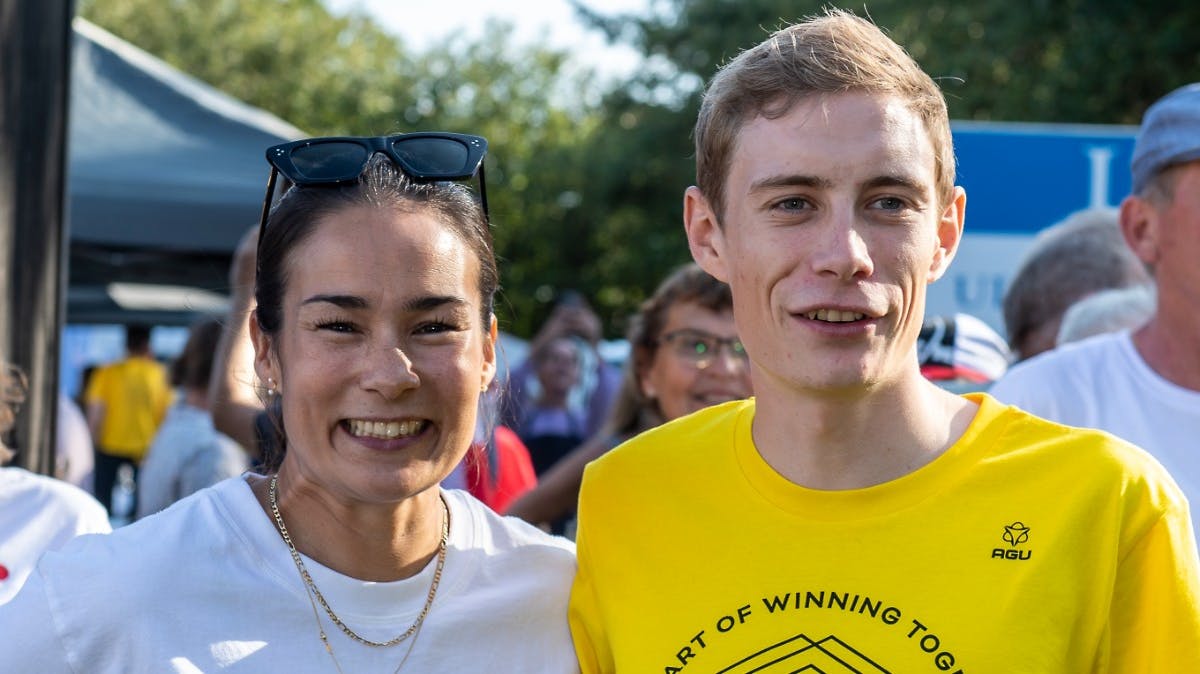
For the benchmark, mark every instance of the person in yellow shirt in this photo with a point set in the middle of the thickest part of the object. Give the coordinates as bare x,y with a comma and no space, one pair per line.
854,517
126,402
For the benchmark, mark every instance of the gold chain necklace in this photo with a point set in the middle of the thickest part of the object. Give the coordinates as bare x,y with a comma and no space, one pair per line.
311,587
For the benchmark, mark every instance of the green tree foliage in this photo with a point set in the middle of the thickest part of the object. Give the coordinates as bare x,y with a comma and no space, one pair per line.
588,196
1081,61
336,75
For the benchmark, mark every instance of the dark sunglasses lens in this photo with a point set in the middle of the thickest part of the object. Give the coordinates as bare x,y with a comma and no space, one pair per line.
433,157
329,161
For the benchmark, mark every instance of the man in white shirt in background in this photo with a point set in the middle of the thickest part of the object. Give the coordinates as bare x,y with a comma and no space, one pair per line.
1142,385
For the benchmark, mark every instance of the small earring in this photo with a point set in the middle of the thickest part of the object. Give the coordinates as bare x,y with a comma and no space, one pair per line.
483,388
270,387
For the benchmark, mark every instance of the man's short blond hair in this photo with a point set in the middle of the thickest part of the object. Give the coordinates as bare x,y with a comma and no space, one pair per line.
835,53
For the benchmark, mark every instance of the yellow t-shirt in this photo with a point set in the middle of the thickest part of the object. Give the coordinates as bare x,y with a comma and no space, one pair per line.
135,395
1026,547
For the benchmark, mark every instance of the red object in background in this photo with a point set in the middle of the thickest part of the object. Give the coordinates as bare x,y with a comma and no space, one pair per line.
3,572
512,476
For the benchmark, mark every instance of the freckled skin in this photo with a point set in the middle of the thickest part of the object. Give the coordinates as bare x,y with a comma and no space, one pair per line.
388,359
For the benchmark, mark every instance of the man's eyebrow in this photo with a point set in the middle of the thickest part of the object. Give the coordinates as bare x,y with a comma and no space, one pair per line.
894,180
790,180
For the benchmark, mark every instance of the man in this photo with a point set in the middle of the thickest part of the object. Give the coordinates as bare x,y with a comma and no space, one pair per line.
1142,386
126,402
854,517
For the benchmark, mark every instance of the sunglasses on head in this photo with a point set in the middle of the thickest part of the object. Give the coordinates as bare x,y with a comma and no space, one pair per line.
427,156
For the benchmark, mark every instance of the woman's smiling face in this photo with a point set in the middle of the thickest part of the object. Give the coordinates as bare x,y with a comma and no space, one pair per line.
680,385
381,352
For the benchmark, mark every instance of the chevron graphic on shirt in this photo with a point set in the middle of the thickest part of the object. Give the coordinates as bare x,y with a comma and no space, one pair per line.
830,655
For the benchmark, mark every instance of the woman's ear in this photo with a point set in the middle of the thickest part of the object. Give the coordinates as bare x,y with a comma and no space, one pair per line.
489,355
266,361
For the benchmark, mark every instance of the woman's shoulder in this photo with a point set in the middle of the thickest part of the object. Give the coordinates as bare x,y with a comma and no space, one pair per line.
498,534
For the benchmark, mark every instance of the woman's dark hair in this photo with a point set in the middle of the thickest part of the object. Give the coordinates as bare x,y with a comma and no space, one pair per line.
632,411
382,185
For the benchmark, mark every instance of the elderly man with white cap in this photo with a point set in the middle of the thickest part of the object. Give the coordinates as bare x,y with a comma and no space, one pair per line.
1142,385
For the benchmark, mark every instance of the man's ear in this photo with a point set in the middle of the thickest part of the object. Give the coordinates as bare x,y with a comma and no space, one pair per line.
1139,224
266,361
705,237
949,234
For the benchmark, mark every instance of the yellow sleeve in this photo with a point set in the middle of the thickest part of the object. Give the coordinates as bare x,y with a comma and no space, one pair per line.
1154,623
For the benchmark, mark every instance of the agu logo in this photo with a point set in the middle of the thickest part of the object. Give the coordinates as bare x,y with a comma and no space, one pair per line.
1015,534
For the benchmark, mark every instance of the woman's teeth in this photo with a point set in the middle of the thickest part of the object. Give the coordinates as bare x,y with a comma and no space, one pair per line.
386,430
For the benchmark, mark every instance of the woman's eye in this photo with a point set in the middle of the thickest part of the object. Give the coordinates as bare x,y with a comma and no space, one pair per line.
336,326
434,327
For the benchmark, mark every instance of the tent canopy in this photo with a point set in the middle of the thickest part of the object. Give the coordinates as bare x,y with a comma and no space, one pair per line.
165,173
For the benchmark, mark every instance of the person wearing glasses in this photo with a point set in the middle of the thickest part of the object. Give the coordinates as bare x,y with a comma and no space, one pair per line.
853,516
685,356
374,336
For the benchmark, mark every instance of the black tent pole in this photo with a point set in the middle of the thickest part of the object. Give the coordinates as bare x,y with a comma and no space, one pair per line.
35,58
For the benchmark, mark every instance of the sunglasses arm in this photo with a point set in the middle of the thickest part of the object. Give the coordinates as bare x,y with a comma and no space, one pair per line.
483,194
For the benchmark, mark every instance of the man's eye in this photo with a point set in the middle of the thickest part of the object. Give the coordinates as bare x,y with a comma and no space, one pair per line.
793,204
701,347
890,203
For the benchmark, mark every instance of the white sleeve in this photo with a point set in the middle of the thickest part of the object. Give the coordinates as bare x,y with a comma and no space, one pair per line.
32,642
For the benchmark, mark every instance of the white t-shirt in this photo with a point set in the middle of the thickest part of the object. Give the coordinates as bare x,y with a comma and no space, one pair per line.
39,513
208,585
1102,382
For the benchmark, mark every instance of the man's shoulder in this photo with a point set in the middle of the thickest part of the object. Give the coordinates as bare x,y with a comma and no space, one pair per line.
1063,366
1091,453
684,441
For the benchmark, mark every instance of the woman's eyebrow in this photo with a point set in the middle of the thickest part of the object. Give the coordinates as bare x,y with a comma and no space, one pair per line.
342,301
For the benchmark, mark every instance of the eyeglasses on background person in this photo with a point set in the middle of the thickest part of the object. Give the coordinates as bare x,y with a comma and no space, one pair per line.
426,156
700,348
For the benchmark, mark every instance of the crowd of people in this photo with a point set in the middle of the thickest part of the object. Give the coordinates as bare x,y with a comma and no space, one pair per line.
794,468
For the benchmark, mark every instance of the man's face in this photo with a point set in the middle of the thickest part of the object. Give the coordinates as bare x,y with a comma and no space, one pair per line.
831,232
1176,248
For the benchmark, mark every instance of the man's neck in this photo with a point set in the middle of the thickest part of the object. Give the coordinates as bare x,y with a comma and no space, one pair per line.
857,439
1170,347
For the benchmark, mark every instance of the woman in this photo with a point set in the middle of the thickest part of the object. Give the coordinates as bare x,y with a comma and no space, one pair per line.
686,356
374,335
551,428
